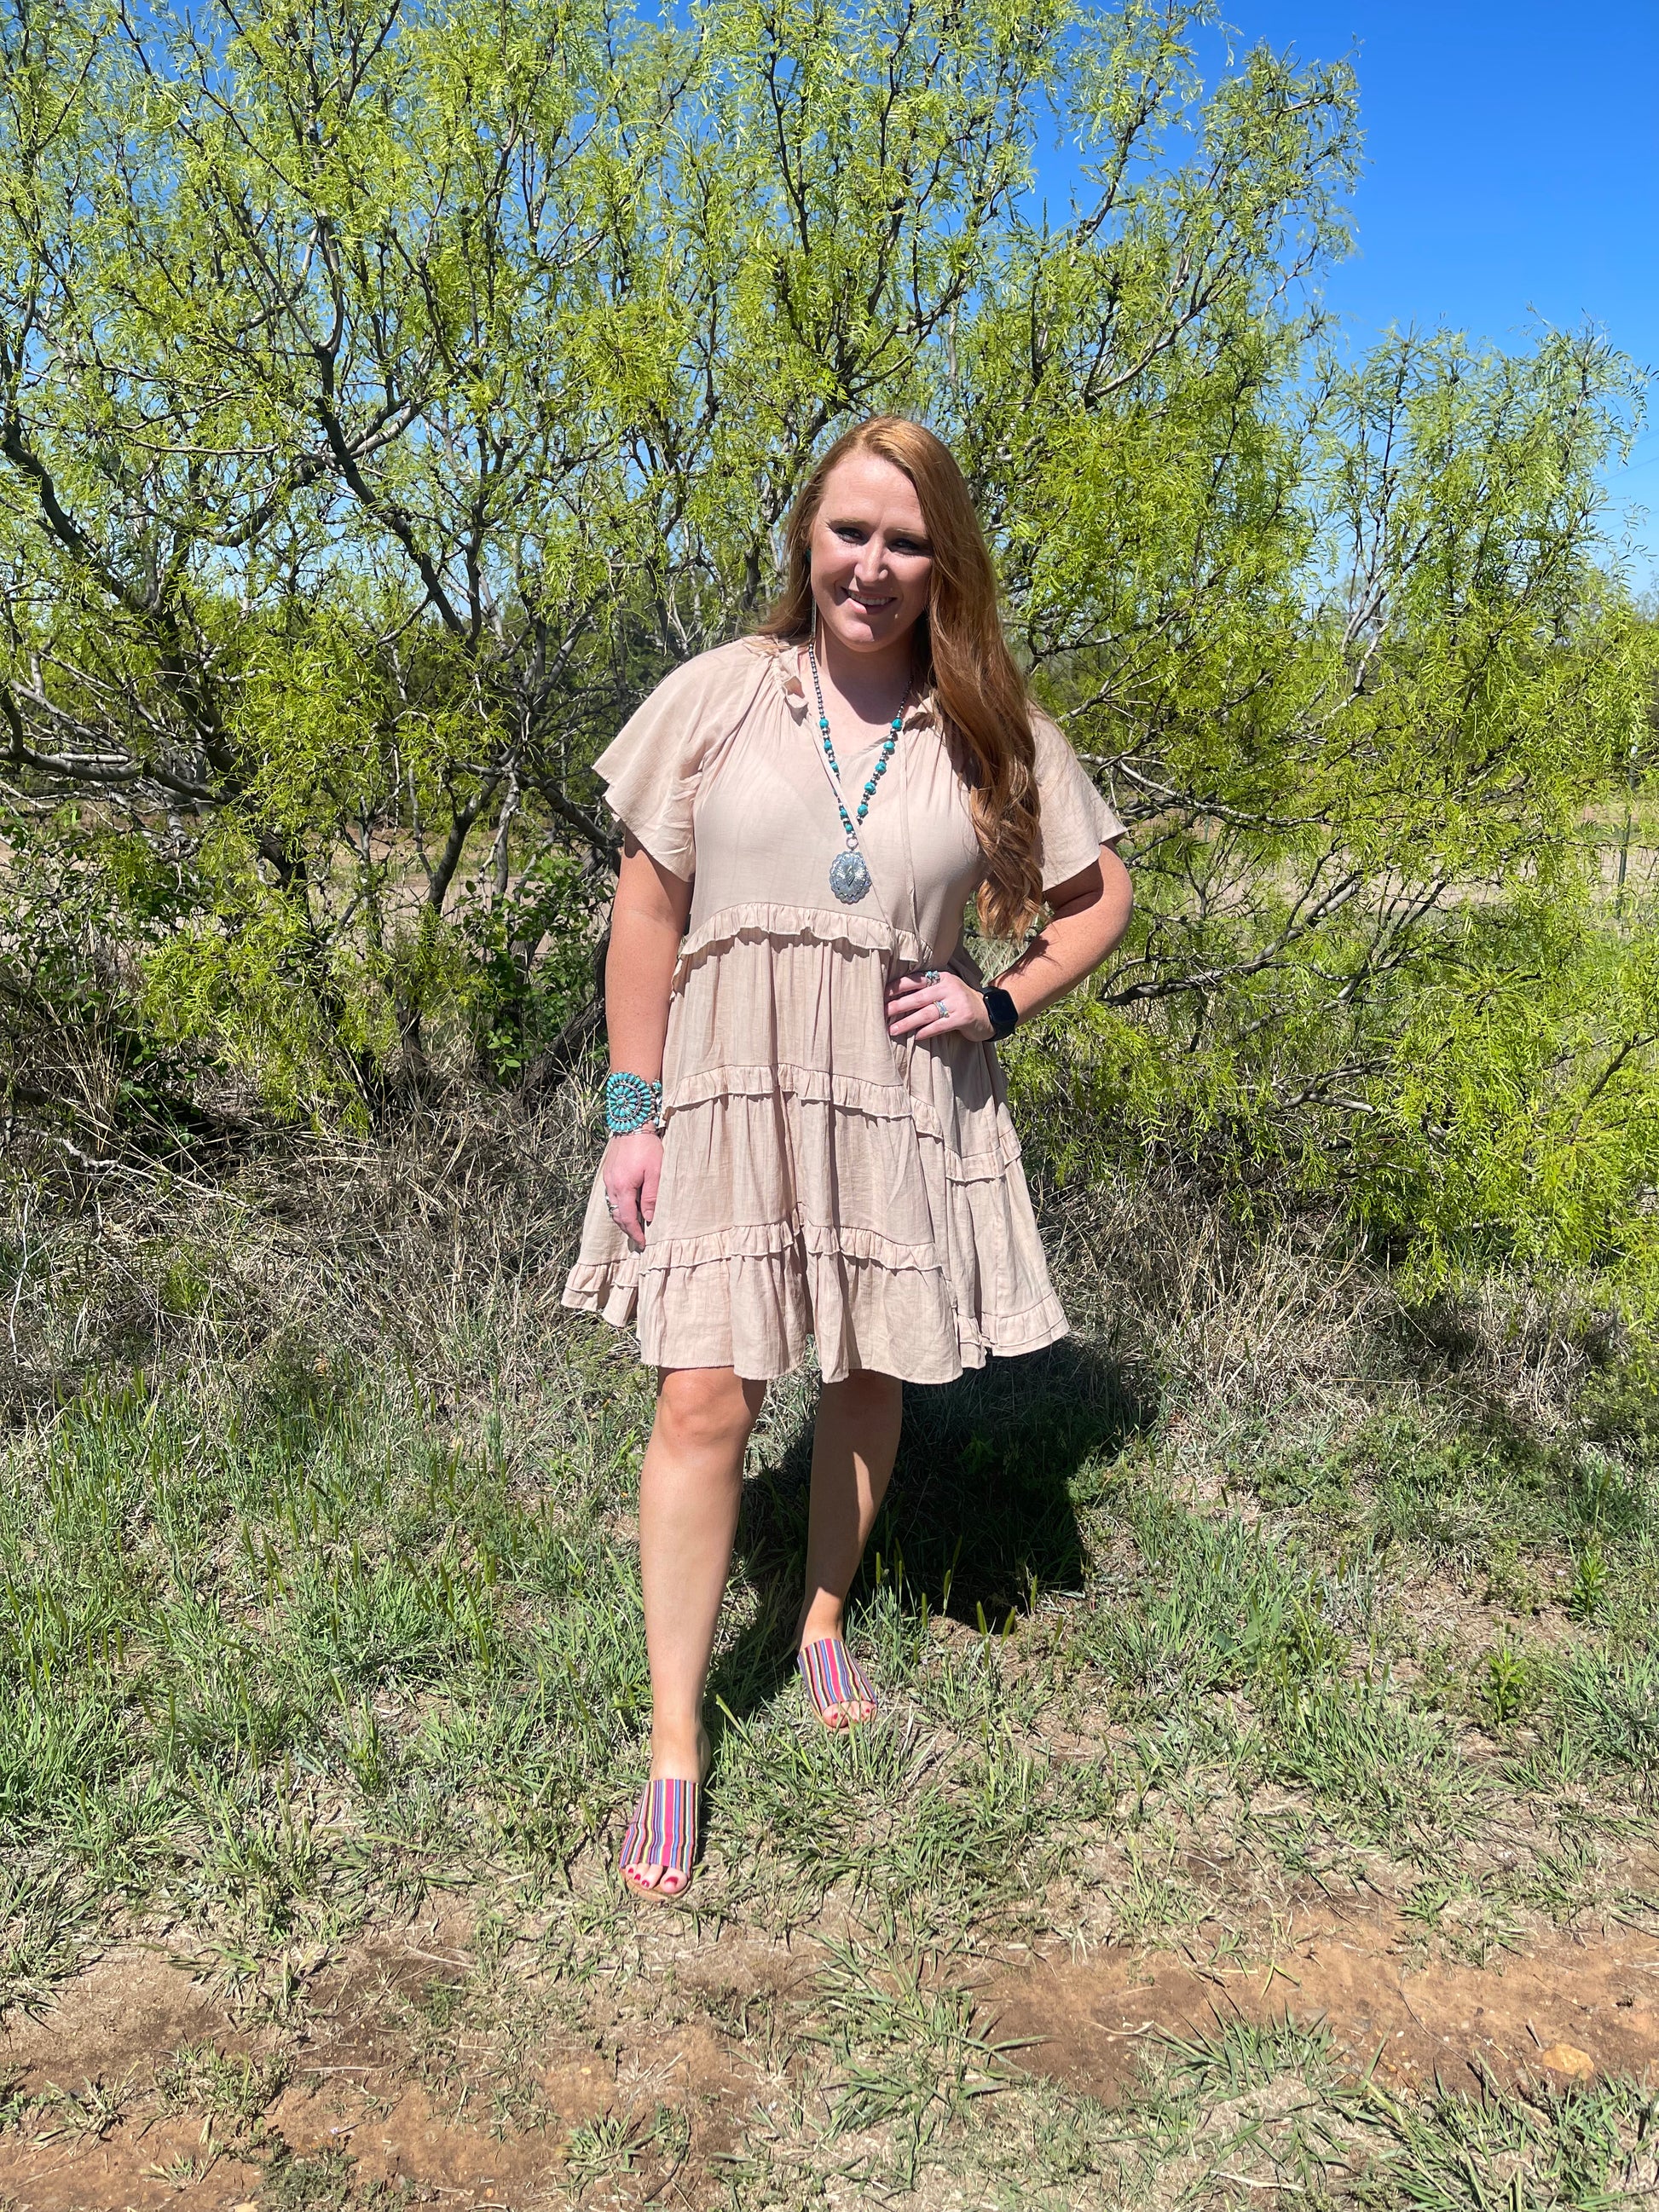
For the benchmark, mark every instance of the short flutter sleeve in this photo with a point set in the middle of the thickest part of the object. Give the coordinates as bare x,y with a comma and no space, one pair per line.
652,767
1075,821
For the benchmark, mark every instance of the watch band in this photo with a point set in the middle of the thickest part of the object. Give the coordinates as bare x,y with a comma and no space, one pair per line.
1004,1013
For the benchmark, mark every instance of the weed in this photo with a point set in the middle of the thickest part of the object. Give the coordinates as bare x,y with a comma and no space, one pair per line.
1243,2055
1534,2152
1507,1684
1607,1704
324,2183
93,2113
602,2147
1590,1577
908,2054
319,1605
232,2086
44,1913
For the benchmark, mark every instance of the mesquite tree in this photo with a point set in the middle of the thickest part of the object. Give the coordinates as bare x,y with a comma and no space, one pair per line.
390,393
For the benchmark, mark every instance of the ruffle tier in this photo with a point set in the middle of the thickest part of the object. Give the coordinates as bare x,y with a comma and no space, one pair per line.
762,924
819,1180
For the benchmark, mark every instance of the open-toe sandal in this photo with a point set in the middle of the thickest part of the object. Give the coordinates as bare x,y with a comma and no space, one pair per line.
663,1832
833,1680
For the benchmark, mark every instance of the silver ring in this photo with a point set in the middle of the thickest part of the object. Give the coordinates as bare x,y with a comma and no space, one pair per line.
943,1009
930,974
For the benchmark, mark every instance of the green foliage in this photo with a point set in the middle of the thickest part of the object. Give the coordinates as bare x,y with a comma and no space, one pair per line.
1590,1582
387,400
529,959
1524,1094
1539,2149
1506,1684
84,900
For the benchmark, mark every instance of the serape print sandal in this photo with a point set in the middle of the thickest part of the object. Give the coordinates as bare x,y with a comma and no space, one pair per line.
663,1832
833,1680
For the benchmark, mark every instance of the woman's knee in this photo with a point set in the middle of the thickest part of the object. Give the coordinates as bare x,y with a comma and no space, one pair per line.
707,1408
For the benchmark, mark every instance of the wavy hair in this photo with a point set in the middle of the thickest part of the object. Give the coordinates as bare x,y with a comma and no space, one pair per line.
959,648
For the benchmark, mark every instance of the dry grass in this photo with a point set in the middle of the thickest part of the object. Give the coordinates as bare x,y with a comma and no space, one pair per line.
326,1674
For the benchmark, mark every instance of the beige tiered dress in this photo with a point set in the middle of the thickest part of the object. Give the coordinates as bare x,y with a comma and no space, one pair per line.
819,1177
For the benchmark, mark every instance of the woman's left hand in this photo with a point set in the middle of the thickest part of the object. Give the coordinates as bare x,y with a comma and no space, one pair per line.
936,1004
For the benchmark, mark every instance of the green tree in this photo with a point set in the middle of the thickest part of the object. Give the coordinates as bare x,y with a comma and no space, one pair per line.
389,395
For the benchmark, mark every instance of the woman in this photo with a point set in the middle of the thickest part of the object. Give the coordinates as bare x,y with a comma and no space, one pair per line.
808,1128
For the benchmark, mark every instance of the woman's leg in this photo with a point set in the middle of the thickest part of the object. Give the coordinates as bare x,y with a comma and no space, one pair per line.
854,1443
689,1486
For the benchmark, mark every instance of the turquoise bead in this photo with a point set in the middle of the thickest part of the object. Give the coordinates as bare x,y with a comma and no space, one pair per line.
889,745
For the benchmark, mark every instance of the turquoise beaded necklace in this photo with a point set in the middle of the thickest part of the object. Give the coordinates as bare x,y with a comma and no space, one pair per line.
849,876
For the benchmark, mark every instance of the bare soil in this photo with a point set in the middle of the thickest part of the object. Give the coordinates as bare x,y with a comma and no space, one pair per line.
361,2105
1566,2007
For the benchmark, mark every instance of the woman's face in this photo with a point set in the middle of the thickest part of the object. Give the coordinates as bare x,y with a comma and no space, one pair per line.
872,564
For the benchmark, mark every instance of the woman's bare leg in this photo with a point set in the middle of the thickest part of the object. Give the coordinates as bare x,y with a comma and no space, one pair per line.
689,1486
854,1443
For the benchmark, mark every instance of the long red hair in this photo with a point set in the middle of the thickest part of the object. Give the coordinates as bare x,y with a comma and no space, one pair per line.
960,649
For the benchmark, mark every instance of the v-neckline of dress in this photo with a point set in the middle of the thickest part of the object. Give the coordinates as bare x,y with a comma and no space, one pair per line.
787,661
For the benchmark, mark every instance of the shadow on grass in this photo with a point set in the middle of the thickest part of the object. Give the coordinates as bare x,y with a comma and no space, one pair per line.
981,1513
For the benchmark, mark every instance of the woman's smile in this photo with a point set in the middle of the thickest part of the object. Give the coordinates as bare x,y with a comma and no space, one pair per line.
871,557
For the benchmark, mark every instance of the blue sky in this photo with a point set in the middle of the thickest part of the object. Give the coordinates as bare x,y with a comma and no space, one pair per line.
1512,171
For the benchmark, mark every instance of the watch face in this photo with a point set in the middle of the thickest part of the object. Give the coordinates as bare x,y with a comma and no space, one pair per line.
1004,1015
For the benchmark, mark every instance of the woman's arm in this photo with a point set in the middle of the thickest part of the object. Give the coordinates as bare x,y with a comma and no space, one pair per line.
1088,915
648,921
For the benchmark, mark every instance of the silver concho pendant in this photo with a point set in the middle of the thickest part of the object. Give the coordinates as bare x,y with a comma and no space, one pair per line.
849,879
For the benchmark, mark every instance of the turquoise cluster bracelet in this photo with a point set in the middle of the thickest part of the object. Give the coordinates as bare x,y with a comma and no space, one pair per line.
630,1103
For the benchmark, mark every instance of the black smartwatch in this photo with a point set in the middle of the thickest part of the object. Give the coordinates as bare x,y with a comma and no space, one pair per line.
1004,1013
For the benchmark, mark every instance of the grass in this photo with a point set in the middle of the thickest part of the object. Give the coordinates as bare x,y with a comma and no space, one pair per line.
319,1610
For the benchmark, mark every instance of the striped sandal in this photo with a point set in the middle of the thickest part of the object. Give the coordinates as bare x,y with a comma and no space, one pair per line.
663,1832
833,1680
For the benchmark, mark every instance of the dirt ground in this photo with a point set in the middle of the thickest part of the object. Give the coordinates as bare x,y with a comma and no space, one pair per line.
130,2125
1565,2010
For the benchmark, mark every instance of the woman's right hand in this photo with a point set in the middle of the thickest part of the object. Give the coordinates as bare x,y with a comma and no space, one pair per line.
632,1169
